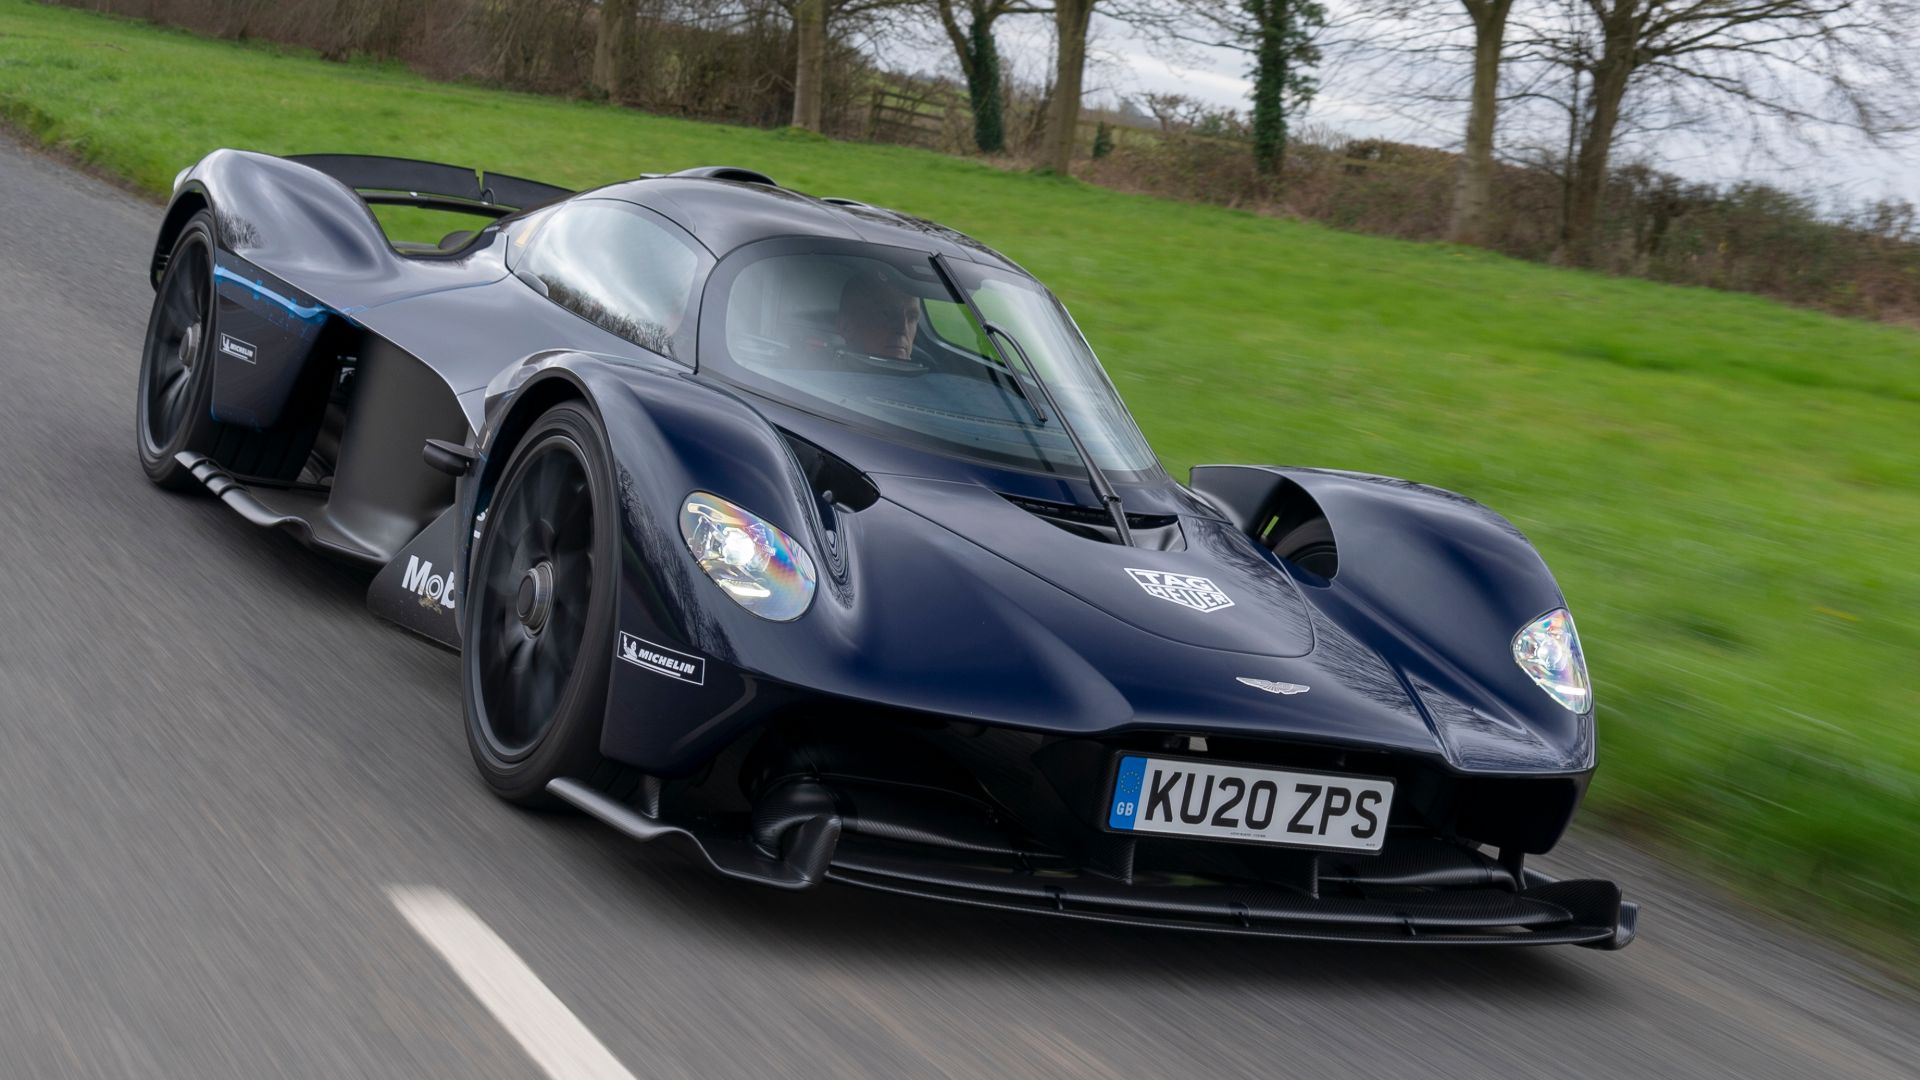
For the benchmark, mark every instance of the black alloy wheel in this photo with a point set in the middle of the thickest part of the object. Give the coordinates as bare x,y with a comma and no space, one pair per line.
176,381
538,640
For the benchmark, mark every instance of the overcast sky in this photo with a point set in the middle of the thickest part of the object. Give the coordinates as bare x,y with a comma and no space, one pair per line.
1127,63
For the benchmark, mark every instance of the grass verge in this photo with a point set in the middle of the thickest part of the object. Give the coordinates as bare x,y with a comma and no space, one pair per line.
1729,489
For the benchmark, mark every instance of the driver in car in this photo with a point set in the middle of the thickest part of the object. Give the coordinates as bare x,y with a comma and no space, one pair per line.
878,317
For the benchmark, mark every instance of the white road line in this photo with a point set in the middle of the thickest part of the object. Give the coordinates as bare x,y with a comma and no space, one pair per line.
553,1037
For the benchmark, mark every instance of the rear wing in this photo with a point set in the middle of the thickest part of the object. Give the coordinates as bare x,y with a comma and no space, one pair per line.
391,181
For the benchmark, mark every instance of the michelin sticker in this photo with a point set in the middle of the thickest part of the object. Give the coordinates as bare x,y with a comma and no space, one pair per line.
662,661
233,346
436,591
1198,593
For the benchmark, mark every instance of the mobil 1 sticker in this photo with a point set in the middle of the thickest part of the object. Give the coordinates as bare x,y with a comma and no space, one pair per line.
1249,803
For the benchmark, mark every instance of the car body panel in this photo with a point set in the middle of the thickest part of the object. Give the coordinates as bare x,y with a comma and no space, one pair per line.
950,595
1077,642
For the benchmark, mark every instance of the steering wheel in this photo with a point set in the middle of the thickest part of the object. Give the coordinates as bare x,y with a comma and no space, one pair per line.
911,365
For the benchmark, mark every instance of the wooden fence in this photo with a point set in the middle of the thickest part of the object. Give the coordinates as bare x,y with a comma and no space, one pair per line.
910,117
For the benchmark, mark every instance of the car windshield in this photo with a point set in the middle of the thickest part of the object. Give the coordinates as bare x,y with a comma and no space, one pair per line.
873,337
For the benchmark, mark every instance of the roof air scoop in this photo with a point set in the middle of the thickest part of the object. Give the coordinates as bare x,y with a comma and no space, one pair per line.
727,172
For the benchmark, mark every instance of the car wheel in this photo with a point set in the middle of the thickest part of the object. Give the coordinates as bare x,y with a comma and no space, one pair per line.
540,610
1310,547
176,366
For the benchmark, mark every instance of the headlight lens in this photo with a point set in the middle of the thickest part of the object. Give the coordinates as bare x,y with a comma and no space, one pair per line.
756,564
1548,650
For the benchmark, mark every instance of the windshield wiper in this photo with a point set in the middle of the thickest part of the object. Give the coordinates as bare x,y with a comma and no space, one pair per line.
993,330
1103,488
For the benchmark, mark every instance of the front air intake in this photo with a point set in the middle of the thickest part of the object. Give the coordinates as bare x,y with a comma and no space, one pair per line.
1154,532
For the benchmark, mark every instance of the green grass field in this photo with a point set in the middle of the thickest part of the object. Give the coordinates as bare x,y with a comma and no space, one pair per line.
1729,489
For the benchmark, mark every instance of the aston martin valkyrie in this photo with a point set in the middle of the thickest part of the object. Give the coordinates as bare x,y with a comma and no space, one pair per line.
812,537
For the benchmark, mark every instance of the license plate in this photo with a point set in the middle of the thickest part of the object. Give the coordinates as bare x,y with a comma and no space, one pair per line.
1249,803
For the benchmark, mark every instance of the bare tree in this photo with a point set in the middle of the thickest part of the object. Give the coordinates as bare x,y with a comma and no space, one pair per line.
610,38
1412,48
1071,20
1280,37
1550,59
1800,63
1473,185
810,18
814,24
979,58
1175,113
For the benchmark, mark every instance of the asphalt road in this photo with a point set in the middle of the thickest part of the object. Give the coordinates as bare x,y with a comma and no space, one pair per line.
217,765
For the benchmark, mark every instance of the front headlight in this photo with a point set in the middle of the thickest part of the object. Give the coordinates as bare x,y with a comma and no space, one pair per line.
752,561
1548,650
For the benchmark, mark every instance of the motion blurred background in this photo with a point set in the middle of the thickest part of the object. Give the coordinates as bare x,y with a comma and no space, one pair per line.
1642,275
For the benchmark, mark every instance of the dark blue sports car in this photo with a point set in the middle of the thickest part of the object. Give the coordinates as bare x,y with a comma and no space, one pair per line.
813,535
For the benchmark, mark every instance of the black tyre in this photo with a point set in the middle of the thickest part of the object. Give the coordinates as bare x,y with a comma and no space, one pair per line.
540,610
176,366
1310,547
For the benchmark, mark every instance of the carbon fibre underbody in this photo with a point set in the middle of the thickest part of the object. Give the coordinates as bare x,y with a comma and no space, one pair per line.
1422,890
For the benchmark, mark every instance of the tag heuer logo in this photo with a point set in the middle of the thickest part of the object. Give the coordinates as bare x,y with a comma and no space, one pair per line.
1198,593
1272,687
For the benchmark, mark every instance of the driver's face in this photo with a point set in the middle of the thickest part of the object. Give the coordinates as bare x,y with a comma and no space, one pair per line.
882,325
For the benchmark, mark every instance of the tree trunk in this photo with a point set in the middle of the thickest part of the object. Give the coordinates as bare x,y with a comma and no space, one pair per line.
1573,151
1473,184
810,71
615,16
1610,78
983,87
1070,20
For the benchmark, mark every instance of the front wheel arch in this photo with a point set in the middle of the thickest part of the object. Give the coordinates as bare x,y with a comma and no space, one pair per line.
531,403
568,745
188,203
